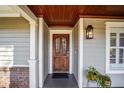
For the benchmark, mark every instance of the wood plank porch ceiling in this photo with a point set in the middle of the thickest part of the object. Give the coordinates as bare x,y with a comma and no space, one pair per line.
67,15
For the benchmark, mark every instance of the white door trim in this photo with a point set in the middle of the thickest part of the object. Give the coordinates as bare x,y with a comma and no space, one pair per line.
51,52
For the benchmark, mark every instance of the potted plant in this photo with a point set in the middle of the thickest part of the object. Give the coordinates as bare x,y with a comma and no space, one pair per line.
104,81
92,74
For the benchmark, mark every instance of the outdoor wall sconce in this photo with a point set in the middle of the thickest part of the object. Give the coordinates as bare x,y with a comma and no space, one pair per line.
89,32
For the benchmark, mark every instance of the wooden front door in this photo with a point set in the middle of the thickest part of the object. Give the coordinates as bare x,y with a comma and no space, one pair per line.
60,53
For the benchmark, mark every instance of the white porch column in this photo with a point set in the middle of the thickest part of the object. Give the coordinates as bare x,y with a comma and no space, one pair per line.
80,55
33,62
41,55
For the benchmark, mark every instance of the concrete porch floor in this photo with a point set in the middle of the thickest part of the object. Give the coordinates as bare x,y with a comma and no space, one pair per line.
69,82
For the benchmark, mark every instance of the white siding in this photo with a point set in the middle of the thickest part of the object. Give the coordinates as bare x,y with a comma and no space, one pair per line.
75,51
46,49
15,32
94,51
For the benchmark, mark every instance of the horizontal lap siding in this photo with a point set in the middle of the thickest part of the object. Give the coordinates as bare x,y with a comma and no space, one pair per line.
15,32
75,51
94,49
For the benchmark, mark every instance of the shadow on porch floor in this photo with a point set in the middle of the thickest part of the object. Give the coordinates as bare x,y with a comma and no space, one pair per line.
69,82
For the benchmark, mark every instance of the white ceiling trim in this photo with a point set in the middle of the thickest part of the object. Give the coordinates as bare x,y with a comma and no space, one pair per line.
10,15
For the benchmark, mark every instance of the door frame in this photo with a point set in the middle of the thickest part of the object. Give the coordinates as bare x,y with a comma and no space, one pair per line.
51,47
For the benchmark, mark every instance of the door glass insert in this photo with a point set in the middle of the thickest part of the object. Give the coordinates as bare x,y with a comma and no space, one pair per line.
64,45
57,45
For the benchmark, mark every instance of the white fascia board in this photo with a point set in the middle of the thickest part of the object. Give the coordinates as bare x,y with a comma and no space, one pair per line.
115,24
25,12
10,15
28,11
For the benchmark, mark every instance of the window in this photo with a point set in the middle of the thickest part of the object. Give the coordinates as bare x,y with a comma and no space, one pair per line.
114,47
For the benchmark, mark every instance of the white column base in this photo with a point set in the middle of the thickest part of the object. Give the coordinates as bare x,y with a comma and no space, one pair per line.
33,73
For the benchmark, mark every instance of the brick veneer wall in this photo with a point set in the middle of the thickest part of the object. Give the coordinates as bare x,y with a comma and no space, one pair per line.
14,77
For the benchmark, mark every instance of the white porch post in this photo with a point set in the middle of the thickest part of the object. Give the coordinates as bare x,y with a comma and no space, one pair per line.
33,62
41,55
80,55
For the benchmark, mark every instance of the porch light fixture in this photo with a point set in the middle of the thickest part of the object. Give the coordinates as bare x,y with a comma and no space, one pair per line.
89,32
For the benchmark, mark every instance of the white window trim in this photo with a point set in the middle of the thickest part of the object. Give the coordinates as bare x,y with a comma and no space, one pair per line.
109,25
